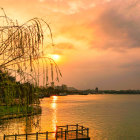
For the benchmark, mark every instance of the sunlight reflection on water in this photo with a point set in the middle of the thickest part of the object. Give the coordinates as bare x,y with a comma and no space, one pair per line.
54,107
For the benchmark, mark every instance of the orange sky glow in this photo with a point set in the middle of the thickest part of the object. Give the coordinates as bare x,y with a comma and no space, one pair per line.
96,42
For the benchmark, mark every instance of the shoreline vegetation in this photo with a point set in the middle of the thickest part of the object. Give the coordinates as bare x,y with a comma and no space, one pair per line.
17,99
23,106
11,112
63,90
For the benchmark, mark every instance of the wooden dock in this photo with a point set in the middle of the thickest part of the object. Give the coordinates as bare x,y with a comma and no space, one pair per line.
68,132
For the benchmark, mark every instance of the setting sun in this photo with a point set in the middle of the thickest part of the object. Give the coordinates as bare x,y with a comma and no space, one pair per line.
55,57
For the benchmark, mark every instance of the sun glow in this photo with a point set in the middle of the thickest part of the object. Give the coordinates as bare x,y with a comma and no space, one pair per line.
55,57
54,98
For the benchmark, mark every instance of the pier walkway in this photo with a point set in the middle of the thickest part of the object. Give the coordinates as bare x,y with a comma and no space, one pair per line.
68,132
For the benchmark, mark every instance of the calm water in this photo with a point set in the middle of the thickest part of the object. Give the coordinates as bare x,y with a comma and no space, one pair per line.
109,117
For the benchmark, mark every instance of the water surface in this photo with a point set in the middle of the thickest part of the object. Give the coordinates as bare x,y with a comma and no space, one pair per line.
109,117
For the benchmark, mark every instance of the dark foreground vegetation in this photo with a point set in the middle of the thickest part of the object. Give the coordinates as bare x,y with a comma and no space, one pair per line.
9,112
17,99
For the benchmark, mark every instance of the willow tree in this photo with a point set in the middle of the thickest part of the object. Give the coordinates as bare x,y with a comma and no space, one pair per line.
22,50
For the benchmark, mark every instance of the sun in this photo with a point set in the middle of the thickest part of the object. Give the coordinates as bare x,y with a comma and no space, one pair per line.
55,57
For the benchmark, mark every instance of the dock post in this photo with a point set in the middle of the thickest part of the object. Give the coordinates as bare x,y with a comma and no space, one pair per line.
15,137
82,130
76,133
4,137
26,136
46,135
65,134
56,135
37,136
67,128
61,132
77,126
87,132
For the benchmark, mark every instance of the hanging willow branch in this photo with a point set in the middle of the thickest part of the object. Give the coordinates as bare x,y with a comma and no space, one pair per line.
22,48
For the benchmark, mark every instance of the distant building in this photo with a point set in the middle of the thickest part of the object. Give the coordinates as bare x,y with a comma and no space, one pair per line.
71,89
64,87
52,84
58,87
96,89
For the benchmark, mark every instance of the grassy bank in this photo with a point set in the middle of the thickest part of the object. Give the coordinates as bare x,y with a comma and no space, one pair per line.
9,112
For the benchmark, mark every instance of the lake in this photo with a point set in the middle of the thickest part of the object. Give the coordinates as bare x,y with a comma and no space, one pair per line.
108,117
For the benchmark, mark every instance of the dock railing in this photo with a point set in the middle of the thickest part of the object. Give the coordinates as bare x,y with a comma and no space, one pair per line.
33,136
62,132
72,131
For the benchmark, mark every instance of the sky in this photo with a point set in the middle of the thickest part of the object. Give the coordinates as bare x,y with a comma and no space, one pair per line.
98,41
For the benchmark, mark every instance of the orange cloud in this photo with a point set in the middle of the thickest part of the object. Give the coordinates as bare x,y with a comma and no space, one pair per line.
65,46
